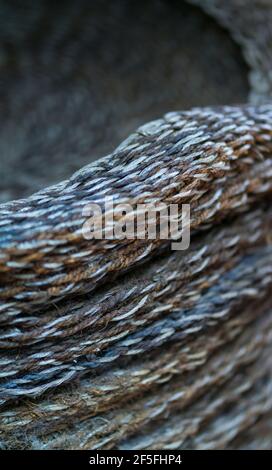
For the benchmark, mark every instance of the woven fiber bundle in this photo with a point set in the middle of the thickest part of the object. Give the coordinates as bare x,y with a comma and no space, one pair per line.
126,343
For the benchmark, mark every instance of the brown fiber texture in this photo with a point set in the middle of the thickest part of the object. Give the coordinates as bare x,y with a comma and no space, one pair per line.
126,344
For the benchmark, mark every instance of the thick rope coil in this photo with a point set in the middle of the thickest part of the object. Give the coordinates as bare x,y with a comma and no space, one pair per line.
119,344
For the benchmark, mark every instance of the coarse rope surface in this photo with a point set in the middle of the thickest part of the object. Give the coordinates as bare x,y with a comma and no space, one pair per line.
126,344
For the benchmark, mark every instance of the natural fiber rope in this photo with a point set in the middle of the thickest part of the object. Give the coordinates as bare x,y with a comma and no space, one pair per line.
49,355
201,156
106,345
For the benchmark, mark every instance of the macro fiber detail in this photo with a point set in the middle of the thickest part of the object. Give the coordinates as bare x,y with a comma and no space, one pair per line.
126,344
